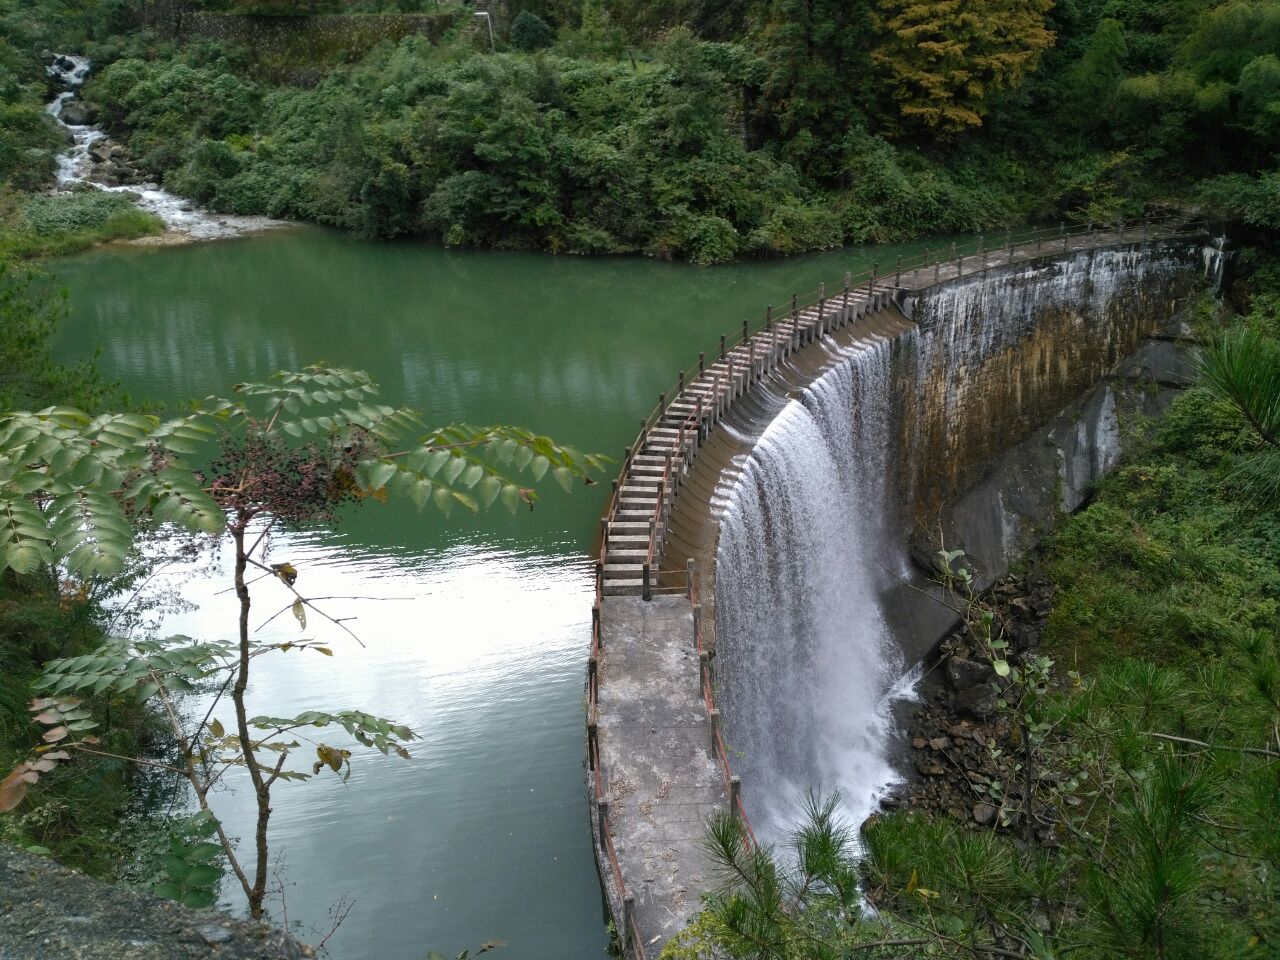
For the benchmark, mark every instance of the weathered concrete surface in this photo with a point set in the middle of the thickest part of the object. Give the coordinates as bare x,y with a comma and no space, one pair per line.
48,912
661,781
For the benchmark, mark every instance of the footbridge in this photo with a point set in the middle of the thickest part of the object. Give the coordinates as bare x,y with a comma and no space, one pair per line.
1074,302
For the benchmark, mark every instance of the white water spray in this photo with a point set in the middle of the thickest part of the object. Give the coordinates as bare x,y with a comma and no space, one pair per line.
806,664
76,166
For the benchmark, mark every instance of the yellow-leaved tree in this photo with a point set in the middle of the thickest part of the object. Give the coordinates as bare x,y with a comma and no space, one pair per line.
942,59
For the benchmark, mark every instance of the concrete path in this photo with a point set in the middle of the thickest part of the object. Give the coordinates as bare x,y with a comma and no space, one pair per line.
661,781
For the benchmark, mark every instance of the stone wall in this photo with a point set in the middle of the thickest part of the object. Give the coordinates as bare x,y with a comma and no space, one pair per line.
316,38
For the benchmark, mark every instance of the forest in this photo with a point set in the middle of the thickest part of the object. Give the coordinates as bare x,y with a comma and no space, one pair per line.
705,131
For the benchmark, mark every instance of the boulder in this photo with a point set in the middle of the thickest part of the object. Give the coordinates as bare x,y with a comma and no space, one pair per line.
78,113
963,674
984,813
978,702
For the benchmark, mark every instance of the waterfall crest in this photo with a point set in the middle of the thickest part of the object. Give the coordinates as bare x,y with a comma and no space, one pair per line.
806,664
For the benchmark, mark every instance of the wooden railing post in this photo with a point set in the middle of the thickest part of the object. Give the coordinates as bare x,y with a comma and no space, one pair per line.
629,919
715,728
722,350
702,362
602,814
735,795
897,272
745,328
821,327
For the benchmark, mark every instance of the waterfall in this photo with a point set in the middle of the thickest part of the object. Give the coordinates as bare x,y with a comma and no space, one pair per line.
805,662
81,166
1217,257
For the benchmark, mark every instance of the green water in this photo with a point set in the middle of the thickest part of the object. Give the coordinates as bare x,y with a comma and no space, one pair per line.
481,642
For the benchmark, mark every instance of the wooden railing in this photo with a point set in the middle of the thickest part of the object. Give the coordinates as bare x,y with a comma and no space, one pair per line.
957,259
629,932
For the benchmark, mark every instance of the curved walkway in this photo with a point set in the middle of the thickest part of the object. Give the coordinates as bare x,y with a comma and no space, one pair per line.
657,766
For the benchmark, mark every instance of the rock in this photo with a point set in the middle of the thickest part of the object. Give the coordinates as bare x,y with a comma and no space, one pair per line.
930,769
77,113
939,743
56,913
212,933
977,702
963,674
919,743
984,813
975,777
1022,636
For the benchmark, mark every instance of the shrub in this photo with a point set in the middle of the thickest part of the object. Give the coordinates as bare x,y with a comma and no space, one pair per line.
530,32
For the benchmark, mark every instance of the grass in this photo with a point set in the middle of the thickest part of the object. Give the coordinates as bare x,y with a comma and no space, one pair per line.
54,225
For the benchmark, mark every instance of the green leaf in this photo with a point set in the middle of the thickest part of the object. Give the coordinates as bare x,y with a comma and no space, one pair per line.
177,868
203,875
377,473
204,852
167,889
199,899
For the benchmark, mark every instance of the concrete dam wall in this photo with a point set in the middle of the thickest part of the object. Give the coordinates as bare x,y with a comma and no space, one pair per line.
871,431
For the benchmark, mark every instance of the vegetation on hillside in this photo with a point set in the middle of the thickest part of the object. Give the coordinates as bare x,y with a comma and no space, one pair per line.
1148,717
699,129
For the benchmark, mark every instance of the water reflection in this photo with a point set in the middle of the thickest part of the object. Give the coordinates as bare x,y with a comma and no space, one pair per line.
479,650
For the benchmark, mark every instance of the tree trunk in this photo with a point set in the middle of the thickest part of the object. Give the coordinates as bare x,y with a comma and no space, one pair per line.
262,791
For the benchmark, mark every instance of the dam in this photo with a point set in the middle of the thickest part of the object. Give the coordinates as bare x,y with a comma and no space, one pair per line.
757,608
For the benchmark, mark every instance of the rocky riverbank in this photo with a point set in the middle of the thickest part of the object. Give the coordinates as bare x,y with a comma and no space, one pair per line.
965,756
48,912
94,161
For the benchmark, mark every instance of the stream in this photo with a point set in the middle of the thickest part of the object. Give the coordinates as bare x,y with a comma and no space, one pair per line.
87,164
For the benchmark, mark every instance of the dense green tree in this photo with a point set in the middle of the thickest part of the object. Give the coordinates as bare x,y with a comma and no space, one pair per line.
816,83
1096,77
530,32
